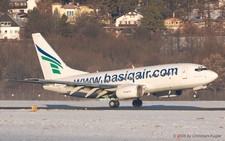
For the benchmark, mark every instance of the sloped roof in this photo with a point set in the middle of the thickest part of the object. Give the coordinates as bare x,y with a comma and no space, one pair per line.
132,11
69,6
56,3
173,18
196,20
1,13
14,22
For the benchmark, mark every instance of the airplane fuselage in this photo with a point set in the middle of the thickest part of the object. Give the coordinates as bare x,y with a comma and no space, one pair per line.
154,78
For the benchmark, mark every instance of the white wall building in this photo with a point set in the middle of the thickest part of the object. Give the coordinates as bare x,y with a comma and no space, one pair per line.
131,18
22,5
9,27
221,3
30,5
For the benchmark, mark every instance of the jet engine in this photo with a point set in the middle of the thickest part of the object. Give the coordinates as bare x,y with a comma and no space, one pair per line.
167,94
129,91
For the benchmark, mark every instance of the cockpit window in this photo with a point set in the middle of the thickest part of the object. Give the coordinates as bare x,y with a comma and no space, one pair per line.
200,68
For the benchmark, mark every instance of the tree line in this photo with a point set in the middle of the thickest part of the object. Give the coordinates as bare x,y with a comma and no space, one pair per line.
92,49
153,11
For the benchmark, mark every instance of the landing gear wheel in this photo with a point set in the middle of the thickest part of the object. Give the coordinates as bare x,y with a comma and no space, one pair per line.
195,95
137,103
114,103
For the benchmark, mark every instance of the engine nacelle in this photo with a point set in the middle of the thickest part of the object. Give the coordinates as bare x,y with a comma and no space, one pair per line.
129,91
168,94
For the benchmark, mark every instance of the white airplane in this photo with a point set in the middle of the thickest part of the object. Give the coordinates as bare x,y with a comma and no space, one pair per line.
163,81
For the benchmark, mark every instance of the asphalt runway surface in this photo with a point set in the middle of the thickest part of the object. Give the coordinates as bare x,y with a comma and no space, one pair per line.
153,107
124,105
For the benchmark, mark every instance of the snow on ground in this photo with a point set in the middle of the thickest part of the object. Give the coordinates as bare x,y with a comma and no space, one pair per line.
110,125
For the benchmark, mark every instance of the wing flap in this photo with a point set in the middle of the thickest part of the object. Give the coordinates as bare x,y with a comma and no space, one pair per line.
91,92
101,94
76,89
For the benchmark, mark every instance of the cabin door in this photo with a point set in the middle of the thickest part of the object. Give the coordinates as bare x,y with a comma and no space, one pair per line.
184,72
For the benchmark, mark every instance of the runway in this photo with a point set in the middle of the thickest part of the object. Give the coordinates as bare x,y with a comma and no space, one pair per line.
120,108
96,105
94,120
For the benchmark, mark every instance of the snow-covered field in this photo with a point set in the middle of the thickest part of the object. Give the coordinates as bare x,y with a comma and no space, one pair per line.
110,125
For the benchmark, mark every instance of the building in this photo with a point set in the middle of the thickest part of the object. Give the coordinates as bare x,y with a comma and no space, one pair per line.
131,18
125,24
71,11
173,23
200,23
13,22
10,27
17,5
22,6
221,3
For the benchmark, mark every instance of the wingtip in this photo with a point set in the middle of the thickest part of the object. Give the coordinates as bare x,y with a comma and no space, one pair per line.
10,80
32,79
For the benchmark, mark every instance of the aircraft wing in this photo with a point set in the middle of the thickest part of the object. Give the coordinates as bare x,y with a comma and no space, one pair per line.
68,83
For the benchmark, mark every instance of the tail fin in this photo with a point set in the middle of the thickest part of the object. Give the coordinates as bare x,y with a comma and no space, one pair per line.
52,65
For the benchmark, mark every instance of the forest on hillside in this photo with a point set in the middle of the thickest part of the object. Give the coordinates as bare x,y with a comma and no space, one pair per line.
86,46
96,50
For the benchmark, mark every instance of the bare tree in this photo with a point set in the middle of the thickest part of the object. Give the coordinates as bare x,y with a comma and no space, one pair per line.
216,63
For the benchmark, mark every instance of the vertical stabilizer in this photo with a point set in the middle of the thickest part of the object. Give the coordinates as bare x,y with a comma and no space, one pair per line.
52,65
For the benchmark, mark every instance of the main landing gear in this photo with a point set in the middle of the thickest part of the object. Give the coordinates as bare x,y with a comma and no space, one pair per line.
137,103
116,103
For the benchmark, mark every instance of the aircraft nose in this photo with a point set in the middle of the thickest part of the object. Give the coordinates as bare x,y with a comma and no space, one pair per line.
213,75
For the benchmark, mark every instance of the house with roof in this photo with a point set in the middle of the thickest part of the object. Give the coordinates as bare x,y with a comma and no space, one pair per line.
213,17
221,3
173,23
10,27
125,24
200,23
22,6
130,19
17,5
71,11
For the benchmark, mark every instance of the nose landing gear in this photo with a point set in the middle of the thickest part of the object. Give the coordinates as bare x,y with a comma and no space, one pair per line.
195,95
